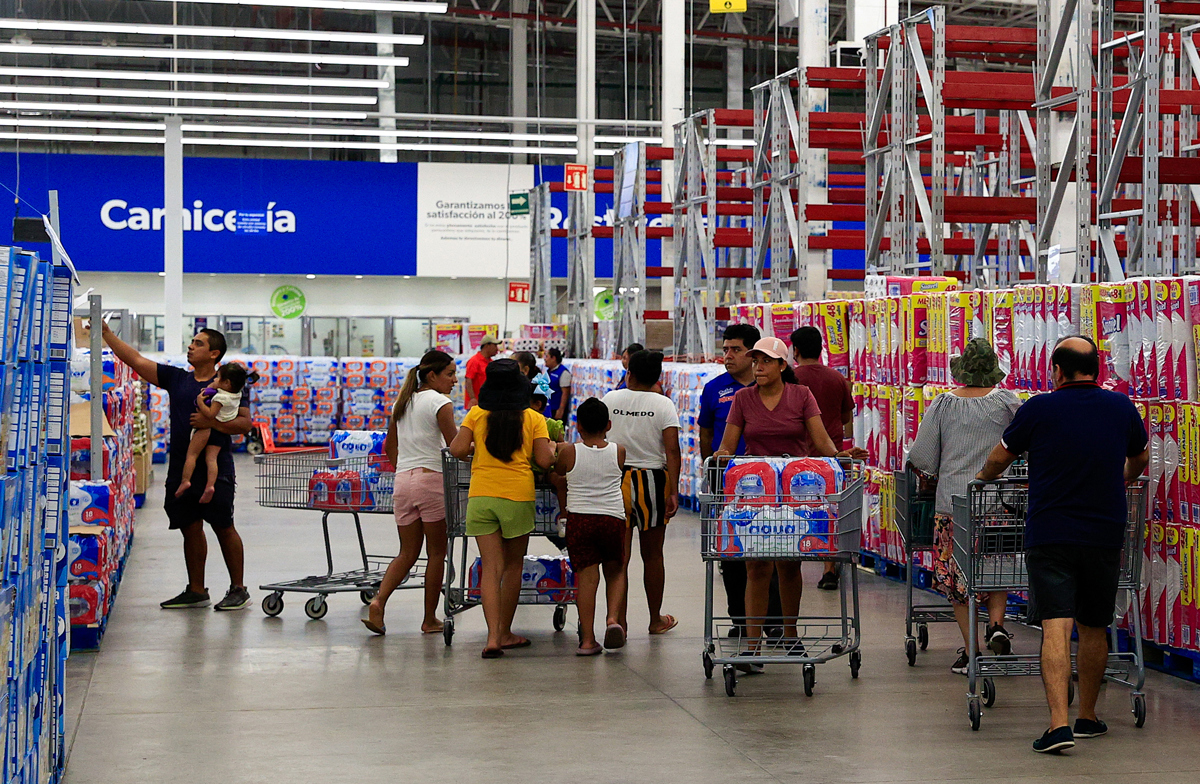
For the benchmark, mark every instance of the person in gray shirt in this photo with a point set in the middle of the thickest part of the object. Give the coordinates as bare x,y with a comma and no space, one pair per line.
956,434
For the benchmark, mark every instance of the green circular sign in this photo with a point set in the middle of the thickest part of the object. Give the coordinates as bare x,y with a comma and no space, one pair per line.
287,302
605,304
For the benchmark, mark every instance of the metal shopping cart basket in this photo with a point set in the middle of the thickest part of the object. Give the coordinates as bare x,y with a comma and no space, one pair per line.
460,595
915,512
824,527
313,481
989,547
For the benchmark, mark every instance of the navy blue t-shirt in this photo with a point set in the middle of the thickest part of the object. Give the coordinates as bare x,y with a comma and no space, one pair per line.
182,387
715,401
1077,439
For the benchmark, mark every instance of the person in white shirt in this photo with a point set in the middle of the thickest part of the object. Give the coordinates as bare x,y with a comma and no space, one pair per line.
422,423
647,425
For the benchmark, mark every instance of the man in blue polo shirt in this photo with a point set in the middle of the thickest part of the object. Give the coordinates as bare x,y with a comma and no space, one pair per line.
715,402
1083,443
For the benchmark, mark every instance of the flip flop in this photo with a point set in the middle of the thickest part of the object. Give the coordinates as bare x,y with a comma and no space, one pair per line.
614,637
492,653
524,643
589,651
432,631
672,622
380,630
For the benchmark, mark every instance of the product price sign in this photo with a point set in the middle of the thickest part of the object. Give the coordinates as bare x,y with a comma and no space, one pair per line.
726,6
575,177
287,302
518,292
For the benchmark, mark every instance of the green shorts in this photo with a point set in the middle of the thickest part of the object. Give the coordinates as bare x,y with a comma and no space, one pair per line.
487,515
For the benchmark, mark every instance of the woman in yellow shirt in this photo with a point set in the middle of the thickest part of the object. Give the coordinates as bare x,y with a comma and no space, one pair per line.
506,435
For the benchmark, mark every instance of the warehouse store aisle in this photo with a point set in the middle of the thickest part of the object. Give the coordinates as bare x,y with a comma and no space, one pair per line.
200,697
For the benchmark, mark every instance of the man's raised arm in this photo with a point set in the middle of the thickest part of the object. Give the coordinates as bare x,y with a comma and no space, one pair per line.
146,368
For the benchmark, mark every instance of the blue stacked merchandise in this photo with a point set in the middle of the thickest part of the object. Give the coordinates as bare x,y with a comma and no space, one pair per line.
35,298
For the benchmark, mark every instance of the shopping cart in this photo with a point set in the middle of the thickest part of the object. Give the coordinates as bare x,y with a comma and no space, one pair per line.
989,547
914,519
313,481
823,528
460,595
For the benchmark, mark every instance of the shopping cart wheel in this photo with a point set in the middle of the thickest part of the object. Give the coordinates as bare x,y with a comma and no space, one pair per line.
974,712
989,692
254,447
272,604
708,666
910,650
316,607
560,617
367,596
730,680
855,663
810,679
448,630
923,636
1139,710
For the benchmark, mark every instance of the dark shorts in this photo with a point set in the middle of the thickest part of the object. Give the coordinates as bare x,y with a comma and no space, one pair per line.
1068,581
594,539
186,510
645,491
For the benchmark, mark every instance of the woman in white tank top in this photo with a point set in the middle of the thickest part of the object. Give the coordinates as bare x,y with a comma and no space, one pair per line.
595,523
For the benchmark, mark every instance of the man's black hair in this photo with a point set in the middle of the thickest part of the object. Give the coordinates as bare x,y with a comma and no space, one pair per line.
633,348
235,374
555,352
747,333
646,367
592,417
216,342
1074,363
807,341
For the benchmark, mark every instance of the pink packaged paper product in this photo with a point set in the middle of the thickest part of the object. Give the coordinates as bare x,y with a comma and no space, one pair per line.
805,479
1180,330
1192,304
1105,318
998,306
1142,332
751,481
832,318
783,320
1161,378
1040,313
857,340
914,356
91,503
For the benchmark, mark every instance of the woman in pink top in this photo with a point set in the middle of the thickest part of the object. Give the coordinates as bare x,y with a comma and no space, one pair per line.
777,416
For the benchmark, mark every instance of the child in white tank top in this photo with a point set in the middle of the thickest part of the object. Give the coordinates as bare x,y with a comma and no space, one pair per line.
595,523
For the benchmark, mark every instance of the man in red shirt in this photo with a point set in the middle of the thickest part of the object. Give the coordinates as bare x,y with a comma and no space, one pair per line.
477,370
834,398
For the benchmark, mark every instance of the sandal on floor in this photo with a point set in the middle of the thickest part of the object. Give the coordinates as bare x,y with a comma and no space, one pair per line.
589,651
381,630
524,643
492,653
672,622
614,637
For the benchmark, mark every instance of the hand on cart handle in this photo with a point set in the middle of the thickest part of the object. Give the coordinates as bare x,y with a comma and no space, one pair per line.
854,453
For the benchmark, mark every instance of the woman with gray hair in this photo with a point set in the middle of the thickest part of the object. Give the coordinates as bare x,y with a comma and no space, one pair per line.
958,430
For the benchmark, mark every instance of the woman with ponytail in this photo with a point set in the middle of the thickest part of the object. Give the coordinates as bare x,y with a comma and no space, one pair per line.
422,423
505,435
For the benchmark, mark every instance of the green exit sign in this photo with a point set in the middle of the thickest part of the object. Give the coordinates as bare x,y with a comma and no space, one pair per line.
518,203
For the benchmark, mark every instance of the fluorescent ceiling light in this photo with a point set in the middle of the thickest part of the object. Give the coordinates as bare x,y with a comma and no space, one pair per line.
212,32
358,130
35,122
397,7
184,111
78,137
203,54
189,95
206,78
628,139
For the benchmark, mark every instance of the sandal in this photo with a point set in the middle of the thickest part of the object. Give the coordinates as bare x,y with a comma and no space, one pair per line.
614,637
524,643
492,653
671,623
589,651
381,630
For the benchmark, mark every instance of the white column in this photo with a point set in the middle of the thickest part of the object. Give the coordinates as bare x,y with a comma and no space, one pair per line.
671,105
814,53
585,76
518,70
864,17
1064,234
387,95
173,236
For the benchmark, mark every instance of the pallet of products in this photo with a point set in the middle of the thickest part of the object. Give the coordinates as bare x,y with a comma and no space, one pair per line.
100,512
35,382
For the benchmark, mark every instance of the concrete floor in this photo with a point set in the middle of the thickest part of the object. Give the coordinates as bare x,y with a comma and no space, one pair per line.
198,697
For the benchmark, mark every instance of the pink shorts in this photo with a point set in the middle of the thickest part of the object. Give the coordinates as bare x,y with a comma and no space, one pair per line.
418,495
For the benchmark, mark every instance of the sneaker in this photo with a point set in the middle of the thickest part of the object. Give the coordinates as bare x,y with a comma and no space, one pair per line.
235,599
749,668
999,641
828,581
960,666
187,600
1086,728
1055,740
